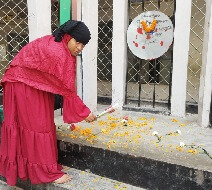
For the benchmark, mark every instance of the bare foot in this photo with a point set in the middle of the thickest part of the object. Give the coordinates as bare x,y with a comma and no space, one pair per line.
65,168
64,179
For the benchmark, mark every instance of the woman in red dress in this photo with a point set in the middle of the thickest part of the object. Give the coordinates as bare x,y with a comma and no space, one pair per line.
44,67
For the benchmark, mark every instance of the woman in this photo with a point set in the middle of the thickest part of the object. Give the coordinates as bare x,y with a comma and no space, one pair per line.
44,67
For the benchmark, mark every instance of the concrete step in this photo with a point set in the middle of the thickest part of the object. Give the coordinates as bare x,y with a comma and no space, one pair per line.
82,180
138,171
131,154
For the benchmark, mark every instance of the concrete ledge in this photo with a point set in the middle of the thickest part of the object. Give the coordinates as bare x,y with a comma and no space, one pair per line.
132,155
137,139
137,171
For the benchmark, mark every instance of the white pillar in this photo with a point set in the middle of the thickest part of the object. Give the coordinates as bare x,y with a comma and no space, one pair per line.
89,54
77,13
206,70
39,18
180,57
119,50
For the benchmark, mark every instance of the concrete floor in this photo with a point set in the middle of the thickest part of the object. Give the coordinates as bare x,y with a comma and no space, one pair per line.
82,180
136,138
4,186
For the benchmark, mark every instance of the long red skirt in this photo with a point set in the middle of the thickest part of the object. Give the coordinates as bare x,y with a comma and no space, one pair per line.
28,148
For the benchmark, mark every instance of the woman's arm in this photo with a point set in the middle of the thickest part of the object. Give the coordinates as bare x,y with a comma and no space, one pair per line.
74,110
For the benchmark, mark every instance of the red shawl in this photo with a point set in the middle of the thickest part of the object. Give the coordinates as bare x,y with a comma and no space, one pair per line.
48,65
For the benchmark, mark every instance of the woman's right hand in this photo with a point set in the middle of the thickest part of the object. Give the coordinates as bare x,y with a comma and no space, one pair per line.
91,117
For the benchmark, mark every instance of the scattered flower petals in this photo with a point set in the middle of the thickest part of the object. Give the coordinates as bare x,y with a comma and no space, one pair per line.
125,117
142,118
174,120
72,127
179,148
182,144
193,151
154,133
124,121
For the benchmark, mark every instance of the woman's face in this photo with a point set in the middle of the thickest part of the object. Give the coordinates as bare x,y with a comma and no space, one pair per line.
75,47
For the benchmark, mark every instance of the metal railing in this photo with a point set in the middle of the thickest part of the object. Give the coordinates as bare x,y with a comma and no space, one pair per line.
195,51
104,60
149,82
54,14
13,30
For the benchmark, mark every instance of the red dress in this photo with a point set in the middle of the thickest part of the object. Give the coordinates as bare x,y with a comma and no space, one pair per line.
28,147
